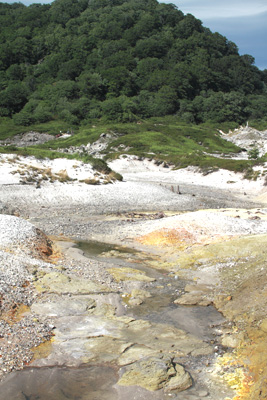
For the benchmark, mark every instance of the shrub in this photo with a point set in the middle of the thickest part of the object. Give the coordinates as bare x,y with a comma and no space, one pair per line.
23,118
253,154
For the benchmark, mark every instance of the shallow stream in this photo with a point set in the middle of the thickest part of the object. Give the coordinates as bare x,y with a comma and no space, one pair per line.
98,381
197,320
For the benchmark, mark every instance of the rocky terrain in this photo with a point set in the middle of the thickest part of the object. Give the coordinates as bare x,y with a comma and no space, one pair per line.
27,139
111,288
248,138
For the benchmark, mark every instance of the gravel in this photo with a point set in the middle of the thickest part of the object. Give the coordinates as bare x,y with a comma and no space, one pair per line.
18,334
17,339
15,231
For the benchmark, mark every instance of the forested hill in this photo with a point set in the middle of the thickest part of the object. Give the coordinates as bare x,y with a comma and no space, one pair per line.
77,60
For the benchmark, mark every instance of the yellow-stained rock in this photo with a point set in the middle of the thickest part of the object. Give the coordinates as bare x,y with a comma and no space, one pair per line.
136,353
60,283
154,373
129,274
105,349
181,381
263,325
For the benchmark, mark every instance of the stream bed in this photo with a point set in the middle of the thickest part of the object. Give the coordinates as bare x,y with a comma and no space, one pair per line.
197,320
90,348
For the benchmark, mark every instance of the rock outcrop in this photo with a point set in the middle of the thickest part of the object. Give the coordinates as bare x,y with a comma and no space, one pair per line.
154,373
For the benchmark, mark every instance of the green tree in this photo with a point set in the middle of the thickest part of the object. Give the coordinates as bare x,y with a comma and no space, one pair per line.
119,81
187,26
257,106
165,101
112,109
92,85
129,109
69,70
21,49
150,47
62,10
16,72
182,80
13,98
146,57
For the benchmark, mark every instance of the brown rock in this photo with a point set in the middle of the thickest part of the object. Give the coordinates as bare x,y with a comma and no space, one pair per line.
194,298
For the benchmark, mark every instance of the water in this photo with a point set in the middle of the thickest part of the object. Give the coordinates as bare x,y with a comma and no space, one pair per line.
88,383
94,249
195,320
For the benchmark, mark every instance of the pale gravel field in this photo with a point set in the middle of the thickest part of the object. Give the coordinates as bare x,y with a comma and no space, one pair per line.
78,210
145,187
134,169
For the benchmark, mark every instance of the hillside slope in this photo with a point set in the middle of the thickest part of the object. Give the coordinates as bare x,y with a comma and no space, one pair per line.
121,60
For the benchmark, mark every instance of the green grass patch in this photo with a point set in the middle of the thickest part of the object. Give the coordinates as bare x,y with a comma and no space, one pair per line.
260,125
172,139
82,135
8,128
167,139
204,162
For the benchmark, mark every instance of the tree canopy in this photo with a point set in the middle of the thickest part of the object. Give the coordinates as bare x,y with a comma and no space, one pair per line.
122,60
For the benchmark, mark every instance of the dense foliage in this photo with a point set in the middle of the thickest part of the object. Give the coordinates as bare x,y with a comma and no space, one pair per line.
79,60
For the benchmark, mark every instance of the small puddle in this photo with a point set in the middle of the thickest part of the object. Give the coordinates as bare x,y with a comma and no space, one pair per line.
122,256
95,249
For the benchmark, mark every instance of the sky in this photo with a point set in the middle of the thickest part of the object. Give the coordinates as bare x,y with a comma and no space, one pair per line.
243,22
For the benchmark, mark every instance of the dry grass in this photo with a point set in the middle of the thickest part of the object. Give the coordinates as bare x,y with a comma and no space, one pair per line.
91,181
63,176
113,177
32,174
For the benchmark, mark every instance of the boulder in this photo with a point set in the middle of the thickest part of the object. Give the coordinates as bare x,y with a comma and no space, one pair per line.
154,373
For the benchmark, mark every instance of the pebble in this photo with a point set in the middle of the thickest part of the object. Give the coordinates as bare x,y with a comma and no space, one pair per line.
203,393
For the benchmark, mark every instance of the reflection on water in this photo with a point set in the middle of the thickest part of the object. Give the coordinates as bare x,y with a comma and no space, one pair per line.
159,308
196,320
92,248
90,383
